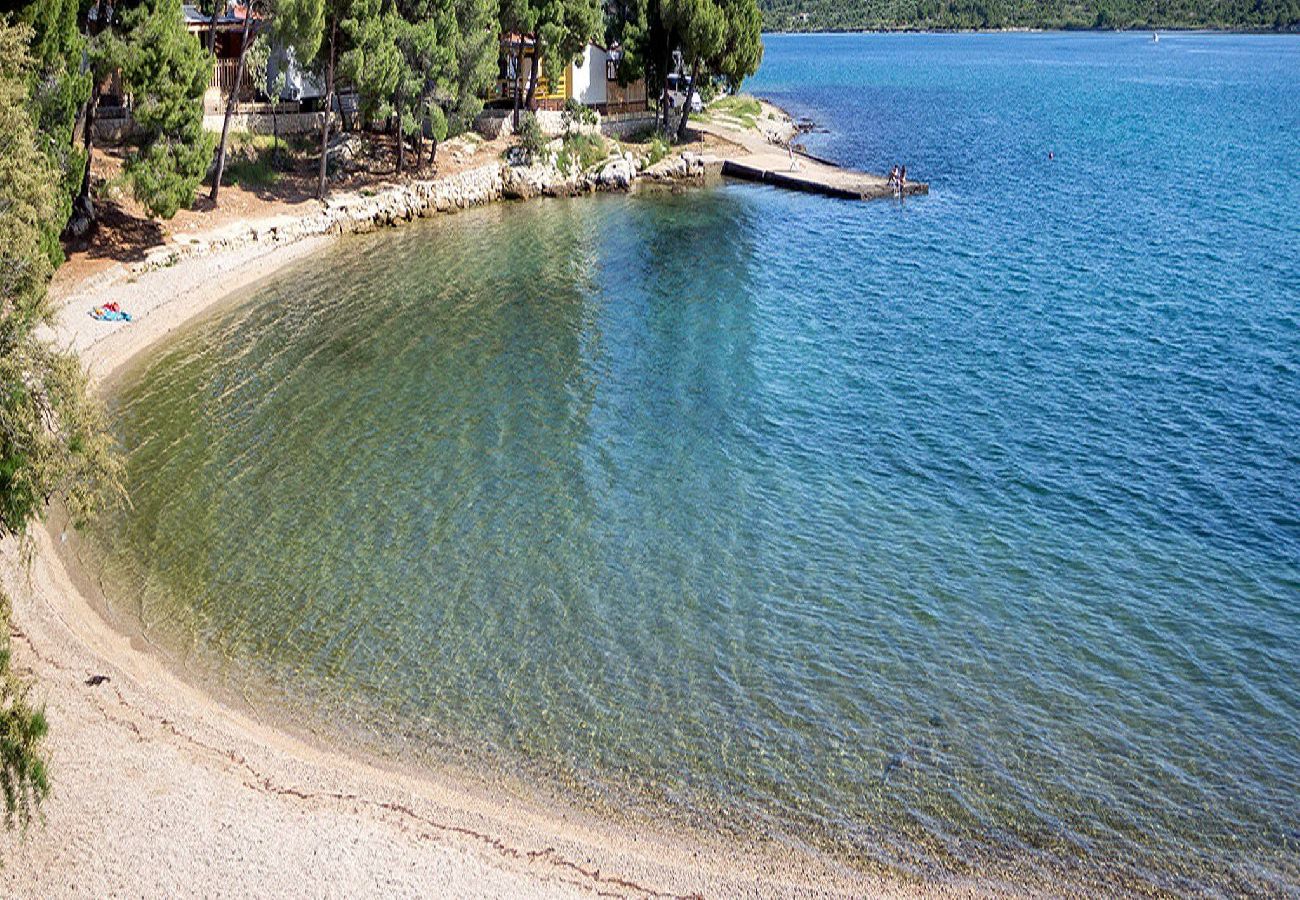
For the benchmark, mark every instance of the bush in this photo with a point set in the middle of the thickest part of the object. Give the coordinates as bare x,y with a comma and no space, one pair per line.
577,115
658,148
584,149
531,139
23,776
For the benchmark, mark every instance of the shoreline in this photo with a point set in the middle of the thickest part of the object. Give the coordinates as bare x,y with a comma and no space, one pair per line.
150,765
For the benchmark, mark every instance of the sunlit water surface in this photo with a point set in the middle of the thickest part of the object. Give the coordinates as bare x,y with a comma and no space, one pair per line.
957,535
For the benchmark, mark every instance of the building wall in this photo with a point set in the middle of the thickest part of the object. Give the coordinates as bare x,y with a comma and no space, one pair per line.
587,81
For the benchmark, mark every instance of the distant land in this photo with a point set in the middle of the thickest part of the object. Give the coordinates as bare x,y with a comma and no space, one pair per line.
965,15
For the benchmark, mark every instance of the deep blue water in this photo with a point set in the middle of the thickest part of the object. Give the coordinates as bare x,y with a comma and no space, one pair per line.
954,535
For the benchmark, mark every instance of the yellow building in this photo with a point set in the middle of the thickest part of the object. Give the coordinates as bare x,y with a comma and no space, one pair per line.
593,81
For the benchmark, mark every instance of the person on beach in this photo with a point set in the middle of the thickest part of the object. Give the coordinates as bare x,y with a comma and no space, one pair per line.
794,163
902,180
893,179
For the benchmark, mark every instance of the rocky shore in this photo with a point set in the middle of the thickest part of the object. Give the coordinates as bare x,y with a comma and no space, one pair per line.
393,204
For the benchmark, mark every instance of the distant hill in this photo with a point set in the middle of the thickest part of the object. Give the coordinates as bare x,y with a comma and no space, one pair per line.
895,15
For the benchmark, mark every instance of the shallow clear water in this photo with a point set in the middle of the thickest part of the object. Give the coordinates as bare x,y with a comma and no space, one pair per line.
957,535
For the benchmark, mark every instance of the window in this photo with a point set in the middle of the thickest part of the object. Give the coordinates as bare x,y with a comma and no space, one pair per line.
611,70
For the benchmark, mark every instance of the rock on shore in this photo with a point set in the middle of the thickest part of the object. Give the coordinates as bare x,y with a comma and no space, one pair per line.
359,212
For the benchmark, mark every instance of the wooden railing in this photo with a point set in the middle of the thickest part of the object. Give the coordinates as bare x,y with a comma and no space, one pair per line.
223,79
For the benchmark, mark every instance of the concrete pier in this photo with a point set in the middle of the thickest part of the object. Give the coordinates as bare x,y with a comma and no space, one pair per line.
756,159
814,177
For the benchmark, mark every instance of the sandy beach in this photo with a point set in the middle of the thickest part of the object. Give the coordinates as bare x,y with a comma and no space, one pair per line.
159,789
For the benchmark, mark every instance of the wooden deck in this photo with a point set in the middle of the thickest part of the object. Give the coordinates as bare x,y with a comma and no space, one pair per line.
758,160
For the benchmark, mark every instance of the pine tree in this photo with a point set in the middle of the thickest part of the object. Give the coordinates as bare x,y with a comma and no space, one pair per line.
167,72
373,63
59,87
476,46
233,98
563,30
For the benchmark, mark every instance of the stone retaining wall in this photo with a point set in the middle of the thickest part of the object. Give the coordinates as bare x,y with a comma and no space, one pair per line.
622,126
354,213
263,123
495,123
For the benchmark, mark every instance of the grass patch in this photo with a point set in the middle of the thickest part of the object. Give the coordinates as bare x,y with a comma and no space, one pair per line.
251,172
248,142
738,109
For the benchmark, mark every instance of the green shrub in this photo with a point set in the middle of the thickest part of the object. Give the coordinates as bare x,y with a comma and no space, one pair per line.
584,149
657,149
531,139
577,115
23,776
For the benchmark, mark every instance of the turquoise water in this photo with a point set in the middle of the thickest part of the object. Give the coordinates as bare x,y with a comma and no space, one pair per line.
953,536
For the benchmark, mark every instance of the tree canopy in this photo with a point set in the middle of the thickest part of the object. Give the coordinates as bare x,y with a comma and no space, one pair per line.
52,441
861,15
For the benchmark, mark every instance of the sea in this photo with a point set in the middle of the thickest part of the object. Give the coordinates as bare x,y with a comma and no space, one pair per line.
952,537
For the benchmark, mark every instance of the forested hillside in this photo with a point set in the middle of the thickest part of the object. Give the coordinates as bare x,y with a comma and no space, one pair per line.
854,15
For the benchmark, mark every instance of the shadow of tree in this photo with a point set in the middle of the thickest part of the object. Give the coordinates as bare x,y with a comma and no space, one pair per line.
118,235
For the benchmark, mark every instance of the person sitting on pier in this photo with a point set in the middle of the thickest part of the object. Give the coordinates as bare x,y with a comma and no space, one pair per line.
893,179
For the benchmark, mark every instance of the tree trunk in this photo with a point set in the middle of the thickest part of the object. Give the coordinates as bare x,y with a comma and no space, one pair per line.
663,106
401,138
433,152
82,219
519,62
230,104
325,123
531,100
217,6
690,95
663,97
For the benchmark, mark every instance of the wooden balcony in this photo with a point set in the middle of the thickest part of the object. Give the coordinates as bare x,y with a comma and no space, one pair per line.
223,79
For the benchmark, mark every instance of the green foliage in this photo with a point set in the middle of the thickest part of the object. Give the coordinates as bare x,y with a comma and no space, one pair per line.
717,39
581,150
52,440
23,777
51,435
373,62
59,85
564,28
474,61
257,62
860,15
530,136
300,26
577,115
27,205
436,123
739,110
252,170
656,148
167,73
742,42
